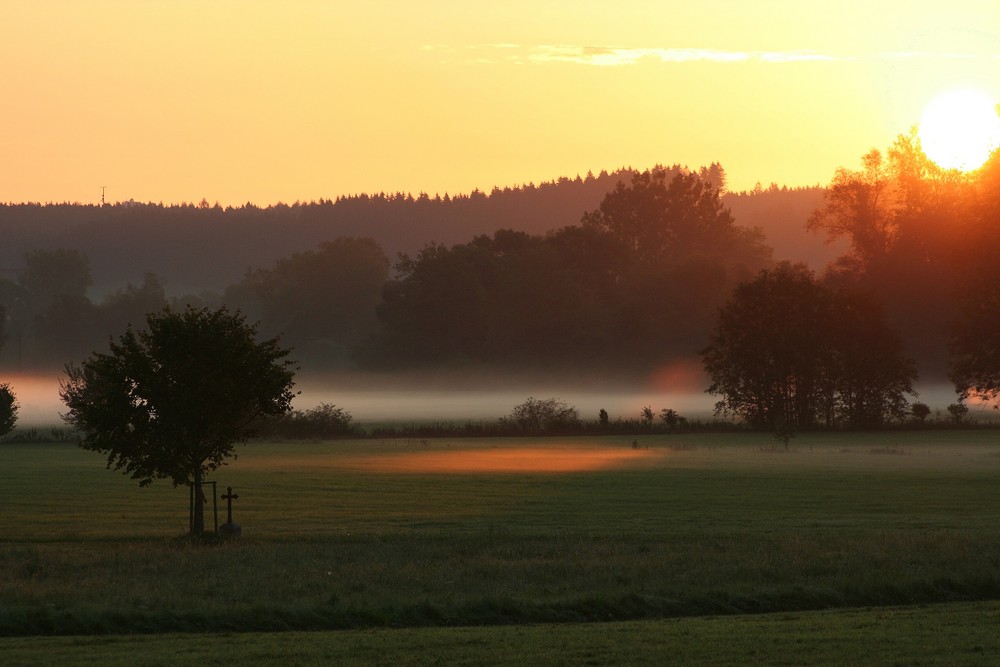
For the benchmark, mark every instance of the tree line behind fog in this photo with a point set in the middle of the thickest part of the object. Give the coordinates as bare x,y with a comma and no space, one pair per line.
636,280
203,246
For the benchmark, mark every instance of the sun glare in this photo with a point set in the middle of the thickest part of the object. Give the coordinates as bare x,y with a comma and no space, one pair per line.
960,129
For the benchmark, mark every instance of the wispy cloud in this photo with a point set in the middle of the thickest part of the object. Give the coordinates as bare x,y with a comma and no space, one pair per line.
606,56
611,56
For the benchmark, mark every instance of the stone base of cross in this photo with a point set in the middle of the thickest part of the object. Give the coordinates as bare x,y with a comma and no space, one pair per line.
230,529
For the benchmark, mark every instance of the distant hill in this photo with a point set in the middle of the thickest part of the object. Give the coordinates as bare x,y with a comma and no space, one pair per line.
205,247
782,214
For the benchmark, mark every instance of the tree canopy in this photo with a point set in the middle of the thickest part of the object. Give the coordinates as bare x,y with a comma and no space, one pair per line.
8,409
328,295
636,283
172,400
789,352
543,415
910,225
656,219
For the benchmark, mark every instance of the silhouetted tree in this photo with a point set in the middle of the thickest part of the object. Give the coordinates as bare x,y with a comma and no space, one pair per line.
920,411
714,175
975,339
50,310
670,418
767,355
958,411
679,253
323,421
438,308
657,220
908,224
49,274
543,415
859,206
131,304
8,409
788,352
326,295
975,347
870,375
172,400
635,284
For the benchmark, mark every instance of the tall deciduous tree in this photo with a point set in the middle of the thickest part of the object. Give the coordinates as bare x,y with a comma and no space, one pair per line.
860,206
975,340
766,355
657,220
789,352
171,401
870,375
909,223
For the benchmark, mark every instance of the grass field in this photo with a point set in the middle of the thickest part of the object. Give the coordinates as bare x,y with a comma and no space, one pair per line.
948,634
440,533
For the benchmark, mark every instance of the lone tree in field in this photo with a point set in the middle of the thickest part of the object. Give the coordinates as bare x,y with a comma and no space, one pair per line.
789,353
172,400
8,409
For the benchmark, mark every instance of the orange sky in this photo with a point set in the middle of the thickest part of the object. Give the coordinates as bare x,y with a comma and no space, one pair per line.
284,100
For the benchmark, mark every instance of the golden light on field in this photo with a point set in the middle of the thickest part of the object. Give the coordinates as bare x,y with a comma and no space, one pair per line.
960,129
513,460
551,459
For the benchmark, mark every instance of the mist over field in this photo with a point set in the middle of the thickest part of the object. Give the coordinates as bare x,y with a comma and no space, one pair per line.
419,398
601,291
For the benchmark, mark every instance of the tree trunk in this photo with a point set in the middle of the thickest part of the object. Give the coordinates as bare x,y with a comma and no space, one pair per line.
198,524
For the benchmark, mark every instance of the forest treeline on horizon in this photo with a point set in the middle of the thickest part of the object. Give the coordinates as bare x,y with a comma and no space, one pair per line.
622,271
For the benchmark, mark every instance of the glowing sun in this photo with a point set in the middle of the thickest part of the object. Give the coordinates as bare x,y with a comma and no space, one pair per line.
960,129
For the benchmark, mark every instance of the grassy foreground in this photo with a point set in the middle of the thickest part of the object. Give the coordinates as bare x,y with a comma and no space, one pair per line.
950,634
367,534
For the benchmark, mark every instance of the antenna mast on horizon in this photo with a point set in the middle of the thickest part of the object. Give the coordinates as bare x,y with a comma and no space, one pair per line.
103,188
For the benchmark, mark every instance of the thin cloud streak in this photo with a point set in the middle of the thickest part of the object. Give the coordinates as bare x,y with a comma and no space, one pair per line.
609,56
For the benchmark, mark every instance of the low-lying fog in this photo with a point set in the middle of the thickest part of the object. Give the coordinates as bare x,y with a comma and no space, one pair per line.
458,398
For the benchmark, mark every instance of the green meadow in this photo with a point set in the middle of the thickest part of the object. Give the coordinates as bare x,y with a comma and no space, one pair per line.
675,545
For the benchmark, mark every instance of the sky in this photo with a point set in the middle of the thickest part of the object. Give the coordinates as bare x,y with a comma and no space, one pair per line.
272,101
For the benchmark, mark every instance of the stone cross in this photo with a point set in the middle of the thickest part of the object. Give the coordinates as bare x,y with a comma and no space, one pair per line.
229,497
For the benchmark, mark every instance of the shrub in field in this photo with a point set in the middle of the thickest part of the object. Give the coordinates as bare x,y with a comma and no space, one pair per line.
958,411
543,415
920,411
672,419
323,421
